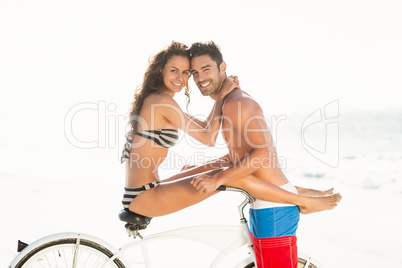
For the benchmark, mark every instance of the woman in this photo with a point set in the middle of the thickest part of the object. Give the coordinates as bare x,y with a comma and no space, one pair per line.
155,120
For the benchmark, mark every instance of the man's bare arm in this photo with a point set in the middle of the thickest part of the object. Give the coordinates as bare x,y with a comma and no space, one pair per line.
214,166
258,154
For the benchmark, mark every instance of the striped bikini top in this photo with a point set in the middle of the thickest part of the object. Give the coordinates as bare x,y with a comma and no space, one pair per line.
165,137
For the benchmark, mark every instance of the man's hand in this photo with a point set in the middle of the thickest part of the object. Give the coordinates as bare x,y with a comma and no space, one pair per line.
205,184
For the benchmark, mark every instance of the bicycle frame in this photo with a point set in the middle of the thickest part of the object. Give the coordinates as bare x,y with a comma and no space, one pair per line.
225,238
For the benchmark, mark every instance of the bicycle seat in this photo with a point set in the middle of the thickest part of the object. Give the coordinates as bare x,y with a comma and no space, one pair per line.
134,218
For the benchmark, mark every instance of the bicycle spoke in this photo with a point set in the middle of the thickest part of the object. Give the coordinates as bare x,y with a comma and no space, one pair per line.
64,257
94,265
55,259
75,257
85,263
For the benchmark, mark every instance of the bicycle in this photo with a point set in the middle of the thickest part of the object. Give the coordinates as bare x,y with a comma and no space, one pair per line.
79,250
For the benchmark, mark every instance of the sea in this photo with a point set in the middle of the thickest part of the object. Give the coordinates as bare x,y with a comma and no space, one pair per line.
345,149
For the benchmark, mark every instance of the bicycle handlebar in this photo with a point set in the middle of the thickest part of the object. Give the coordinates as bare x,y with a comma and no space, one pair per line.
232,189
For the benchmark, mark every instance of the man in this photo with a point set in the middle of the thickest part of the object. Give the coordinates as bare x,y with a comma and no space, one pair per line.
253,156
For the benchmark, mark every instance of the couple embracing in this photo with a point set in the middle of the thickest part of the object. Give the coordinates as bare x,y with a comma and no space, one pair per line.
251,164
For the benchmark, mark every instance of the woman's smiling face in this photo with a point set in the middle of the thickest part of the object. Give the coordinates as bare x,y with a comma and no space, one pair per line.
176,74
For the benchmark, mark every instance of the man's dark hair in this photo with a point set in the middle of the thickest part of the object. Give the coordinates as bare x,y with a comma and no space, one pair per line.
207,48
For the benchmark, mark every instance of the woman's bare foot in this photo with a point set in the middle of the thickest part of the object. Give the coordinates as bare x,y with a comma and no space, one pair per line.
319,203
313,192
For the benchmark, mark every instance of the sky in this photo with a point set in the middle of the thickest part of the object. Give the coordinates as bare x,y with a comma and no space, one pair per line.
71,67
294,54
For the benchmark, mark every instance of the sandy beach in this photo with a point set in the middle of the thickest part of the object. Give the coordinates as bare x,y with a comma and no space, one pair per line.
364,231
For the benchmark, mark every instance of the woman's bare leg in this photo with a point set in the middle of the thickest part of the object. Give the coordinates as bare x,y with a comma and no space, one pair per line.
180,193
269,192
167,198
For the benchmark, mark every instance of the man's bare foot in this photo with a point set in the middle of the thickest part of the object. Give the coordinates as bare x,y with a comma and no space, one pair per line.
319,203
313,192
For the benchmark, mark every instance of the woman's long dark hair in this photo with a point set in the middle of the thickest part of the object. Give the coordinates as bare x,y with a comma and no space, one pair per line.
153,80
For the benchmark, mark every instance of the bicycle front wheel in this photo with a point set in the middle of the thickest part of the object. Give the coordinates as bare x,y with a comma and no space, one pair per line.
69,252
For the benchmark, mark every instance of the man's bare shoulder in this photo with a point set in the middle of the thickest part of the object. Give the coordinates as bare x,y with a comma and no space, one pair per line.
238,99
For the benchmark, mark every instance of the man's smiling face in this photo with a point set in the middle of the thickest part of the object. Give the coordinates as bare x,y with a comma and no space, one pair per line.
206,74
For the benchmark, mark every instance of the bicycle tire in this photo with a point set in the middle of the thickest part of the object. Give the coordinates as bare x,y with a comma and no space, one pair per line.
63,252
300,264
